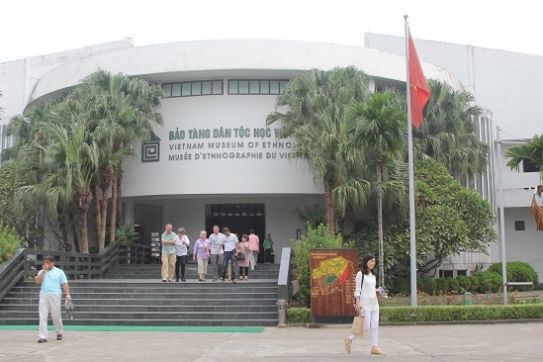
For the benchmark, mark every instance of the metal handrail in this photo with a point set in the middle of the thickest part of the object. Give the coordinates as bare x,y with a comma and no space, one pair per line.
11,272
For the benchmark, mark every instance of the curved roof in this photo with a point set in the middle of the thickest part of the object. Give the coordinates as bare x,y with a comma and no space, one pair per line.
223,57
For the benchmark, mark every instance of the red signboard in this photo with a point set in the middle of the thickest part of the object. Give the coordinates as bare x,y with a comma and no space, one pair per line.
333,273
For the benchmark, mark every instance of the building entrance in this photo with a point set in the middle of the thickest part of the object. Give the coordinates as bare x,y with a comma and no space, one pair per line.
240,218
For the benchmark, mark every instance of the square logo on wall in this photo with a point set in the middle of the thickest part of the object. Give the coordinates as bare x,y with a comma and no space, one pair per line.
150,151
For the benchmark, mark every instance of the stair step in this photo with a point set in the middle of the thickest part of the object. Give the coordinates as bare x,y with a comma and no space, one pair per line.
151,322
152,302
83,308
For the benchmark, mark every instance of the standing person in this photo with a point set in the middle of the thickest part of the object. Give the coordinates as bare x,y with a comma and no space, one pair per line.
243,253
201,253
230,242
268,248
216,245
51,279
168,254
181,251
367,303
254,245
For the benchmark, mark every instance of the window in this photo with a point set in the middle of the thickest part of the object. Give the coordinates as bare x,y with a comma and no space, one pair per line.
167,88
446,274
462,273
257,86
216,87
520,225
206,88
529,166
243,87
176,90
193,88
186,89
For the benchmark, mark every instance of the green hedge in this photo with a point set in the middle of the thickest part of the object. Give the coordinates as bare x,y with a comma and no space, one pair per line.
298,315
517,271
441,313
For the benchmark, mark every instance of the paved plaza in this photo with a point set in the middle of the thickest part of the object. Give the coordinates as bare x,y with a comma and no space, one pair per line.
497,342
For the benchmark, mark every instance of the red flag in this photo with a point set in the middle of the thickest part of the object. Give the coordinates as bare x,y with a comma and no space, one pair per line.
418,87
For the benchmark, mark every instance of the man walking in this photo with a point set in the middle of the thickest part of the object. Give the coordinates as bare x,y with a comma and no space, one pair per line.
51,280
230,242
254,246
181,251
216,244
168,254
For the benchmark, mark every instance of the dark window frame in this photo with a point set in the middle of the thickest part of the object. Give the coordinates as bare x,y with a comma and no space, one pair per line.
213,82
249,80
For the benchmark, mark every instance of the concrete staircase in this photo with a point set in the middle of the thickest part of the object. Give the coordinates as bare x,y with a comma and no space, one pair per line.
134,295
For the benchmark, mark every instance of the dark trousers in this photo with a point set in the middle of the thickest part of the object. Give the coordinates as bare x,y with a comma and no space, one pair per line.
229,255
267,255
180,262
243,270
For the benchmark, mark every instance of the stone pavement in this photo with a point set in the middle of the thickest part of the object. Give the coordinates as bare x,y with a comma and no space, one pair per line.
498,342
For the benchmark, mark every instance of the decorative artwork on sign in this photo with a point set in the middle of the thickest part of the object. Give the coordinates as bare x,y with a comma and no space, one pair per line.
333,273
330,275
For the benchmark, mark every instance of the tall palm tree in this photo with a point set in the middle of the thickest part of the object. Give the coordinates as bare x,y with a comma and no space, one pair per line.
318,104
124,111
447,133
380,132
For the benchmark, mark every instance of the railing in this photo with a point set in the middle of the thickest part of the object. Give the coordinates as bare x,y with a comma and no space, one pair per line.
25,263
283,281
283,286
11,272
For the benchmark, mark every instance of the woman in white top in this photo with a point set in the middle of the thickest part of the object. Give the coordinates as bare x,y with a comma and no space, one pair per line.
367,303
181,250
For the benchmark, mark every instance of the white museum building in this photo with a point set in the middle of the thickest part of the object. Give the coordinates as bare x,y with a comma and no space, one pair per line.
214,160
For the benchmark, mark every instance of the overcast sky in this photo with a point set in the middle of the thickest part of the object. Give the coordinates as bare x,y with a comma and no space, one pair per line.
34,27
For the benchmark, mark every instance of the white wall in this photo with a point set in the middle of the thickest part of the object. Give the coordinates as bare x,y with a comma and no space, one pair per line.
231,176
509,84
524,245
189,212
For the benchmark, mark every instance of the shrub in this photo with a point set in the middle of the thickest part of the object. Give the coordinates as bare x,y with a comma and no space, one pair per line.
488,282
9,243
448,313
299,315
453,286
428,285
461,313
464,283
517,271
315,238
399,286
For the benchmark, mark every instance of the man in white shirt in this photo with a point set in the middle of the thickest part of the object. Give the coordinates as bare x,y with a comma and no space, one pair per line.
216,241
181,251
230,243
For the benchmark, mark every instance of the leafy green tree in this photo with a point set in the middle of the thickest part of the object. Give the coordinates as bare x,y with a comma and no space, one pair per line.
447,133
531,151
380,132
317,117
314,238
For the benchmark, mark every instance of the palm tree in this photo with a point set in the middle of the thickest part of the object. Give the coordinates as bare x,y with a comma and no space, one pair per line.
123,111
531,151
447,133
317,119
380,132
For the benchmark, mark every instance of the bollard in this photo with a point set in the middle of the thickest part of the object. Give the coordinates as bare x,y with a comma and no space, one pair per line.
468,298
282,311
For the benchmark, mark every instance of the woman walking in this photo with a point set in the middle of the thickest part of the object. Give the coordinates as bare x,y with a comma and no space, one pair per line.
201,253
181,250
367,303
243,255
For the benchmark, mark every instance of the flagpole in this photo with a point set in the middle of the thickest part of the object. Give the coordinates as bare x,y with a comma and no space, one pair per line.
412,222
